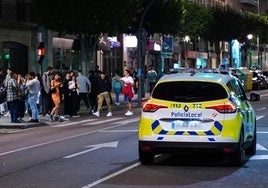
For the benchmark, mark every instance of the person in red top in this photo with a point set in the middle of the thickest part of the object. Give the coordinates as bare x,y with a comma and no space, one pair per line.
128,81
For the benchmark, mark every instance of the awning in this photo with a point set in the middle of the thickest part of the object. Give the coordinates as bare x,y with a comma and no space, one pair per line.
63,43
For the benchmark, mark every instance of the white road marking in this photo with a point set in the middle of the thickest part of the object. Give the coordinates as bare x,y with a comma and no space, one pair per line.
259,157
58,140
118,131
260,147
127,121
260,109
72,123
111,175
97,122
259,117
95,147
262,132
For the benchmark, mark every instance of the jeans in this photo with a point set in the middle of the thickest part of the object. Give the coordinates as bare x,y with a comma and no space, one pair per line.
14,110
33,105
117,92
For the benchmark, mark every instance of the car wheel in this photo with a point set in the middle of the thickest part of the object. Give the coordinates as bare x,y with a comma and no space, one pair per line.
251,150
238,157
146,158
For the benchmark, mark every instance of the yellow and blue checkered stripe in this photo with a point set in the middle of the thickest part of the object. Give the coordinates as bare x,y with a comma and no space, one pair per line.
215,130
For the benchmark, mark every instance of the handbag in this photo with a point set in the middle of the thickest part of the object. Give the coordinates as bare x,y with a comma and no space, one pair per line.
127,90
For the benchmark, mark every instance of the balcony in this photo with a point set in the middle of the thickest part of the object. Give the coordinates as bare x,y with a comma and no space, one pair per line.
249,2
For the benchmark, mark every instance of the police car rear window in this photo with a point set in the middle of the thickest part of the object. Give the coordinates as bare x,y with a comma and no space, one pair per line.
186,91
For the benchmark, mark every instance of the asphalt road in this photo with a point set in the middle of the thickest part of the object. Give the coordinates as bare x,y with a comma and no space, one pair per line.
102,152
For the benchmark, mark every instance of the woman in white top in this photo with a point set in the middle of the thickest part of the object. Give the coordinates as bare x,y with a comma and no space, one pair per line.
128,80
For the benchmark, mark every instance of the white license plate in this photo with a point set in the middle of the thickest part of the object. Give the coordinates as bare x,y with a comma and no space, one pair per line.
186,125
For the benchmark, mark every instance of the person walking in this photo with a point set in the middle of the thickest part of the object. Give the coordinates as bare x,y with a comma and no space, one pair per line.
117,87
151,76
105,88
84,89
13,96
128,85
94,81
56,96
34,89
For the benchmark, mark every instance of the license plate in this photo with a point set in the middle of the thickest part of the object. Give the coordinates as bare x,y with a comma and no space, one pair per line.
186,125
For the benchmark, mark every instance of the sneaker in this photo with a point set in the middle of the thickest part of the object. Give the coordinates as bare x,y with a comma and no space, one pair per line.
51,118
109,114
96,114
117,103
128,113
7,114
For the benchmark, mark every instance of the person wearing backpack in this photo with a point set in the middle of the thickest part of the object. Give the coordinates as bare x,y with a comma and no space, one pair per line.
117,87
151,76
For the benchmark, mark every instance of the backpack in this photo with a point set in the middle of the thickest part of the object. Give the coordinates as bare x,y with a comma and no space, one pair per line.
117,84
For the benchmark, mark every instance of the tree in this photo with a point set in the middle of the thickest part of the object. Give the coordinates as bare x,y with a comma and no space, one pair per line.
86,19
196,20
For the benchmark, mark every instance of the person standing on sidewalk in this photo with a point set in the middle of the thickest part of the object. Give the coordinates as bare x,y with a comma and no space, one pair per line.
34,88
128,82
13,96
46,99
117,87
84,89
105,88
56,96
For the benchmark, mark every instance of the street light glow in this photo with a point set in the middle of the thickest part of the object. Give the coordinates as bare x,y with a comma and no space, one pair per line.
250,36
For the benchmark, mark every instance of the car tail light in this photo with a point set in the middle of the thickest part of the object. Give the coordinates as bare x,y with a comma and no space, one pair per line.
152,107
224,108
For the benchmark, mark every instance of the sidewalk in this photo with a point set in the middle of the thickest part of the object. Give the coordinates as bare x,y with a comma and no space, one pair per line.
45,120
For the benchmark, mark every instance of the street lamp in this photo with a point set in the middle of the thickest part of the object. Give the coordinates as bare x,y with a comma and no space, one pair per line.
140,67
249,37
186,39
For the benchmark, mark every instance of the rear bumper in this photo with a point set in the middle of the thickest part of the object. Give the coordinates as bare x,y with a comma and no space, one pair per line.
177,147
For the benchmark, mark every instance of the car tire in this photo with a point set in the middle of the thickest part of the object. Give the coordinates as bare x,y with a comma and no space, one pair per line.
145,157
251,150
238,157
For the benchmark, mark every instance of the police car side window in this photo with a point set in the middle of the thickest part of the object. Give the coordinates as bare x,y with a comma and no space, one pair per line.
236,89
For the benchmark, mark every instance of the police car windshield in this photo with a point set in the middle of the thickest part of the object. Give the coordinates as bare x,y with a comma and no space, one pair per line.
189,91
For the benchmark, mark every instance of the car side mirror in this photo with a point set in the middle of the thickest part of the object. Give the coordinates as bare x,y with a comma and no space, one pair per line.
254,97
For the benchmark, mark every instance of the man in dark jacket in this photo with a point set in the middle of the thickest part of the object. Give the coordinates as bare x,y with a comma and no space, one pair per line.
104,90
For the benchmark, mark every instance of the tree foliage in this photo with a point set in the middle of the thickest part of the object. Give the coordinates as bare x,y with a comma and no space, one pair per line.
87,17
196,20
163,17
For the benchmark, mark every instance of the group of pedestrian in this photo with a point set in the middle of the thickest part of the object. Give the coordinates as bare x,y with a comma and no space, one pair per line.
55,94
21,93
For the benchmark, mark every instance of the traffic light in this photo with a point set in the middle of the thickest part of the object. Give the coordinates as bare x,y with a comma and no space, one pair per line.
7,56
41,52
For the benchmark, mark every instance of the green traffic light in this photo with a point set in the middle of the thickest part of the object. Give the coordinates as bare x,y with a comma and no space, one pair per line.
7,56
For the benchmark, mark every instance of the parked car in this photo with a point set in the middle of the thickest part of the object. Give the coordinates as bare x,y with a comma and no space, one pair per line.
259,80
194,112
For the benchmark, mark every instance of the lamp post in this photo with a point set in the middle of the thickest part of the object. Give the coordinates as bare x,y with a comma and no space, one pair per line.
249,37
140,67
186,39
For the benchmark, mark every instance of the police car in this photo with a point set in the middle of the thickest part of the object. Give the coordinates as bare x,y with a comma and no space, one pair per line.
198,111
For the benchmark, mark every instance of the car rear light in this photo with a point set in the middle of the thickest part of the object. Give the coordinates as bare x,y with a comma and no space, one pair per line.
224,108
152,107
